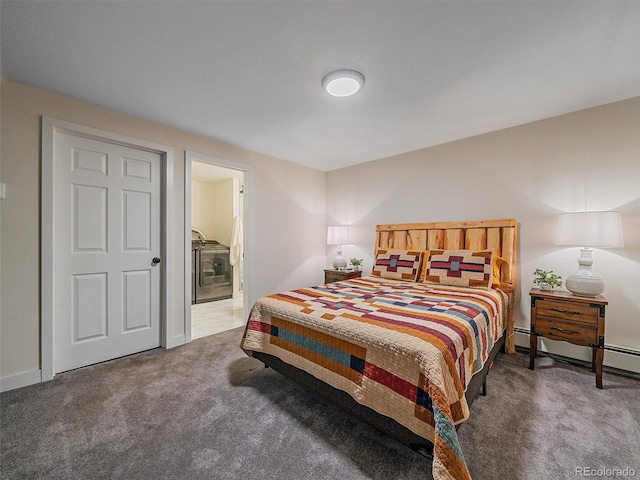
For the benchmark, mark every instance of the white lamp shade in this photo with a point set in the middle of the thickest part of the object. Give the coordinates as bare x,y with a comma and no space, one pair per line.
590,229
337,235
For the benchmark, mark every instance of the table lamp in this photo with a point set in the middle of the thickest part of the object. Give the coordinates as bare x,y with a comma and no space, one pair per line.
338,235
588,229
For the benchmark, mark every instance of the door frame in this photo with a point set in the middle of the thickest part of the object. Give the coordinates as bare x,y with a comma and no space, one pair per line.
247,221
51,126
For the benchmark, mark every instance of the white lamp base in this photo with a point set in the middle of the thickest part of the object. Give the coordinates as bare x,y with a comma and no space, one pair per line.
339,262
584,282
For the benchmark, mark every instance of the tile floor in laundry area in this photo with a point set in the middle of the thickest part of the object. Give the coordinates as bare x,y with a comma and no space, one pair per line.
215,317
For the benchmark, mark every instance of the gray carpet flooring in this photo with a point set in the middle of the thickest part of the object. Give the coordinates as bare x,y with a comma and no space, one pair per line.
206,411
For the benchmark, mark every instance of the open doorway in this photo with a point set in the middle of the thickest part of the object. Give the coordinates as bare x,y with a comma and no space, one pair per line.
215,220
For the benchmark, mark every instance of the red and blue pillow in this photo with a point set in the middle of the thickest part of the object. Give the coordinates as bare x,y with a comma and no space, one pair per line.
397,264
460,268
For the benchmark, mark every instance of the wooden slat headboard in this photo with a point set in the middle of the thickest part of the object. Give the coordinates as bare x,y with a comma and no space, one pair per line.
501,235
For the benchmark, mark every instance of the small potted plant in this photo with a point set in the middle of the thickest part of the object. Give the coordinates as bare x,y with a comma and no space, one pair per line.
547,279
356,263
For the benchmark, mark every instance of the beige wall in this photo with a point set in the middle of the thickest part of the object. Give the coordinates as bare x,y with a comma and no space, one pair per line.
212,209
589,159
585,160
287,212
223,200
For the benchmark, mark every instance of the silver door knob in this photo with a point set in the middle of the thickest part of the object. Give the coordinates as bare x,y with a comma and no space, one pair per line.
156,260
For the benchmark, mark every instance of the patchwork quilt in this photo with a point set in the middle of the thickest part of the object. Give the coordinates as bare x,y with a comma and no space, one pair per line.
407,350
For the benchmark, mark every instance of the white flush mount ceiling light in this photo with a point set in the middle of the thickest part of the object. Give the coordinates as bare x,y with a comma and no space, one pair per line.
343,83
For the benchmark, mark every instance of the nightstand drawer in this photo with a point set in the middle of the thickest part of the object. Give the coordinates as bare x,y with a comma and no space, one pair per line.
333,277
576,312
566,331
340,275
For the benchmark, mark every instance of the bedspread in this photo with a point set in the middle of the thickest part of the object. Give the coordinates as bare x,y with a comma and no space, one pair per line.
407,350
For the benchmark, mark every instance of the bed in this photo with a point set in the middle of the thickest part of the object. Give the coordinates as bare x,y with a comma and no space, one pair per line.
408,347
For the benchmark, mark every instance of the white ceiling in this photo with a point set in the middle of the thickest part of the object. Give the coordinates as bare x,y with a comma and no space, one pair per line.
249,73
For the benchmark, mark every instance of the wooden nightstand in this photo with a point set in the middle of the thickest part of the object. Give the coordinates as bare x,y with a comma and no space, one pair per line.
560,315
333,275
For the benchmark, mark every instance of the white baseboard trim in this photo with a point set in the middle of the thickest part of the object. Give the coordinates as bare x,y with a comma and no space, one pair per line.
20,380
613,359
25,379
621,361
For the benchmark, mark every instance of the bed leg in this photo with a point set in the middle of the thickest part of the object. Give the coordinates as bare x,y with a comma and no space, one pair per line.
424,450
484,388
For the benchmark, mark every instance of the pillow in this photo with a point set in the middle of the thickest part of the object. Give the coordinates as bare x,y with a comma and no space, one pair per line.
423,265
397,264
498,264
460,268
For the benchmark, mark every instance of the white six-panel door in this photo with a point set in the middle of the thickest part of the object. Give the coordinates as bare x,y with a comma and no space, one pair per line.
107,233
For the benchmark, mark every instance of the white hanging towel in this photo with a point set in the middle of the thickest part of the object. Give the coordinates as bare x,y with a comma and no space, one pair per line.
235,245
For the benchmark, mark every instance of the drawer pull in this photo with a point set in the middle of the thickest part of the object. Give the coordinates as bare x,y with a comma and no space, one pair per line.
572,332
564,311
